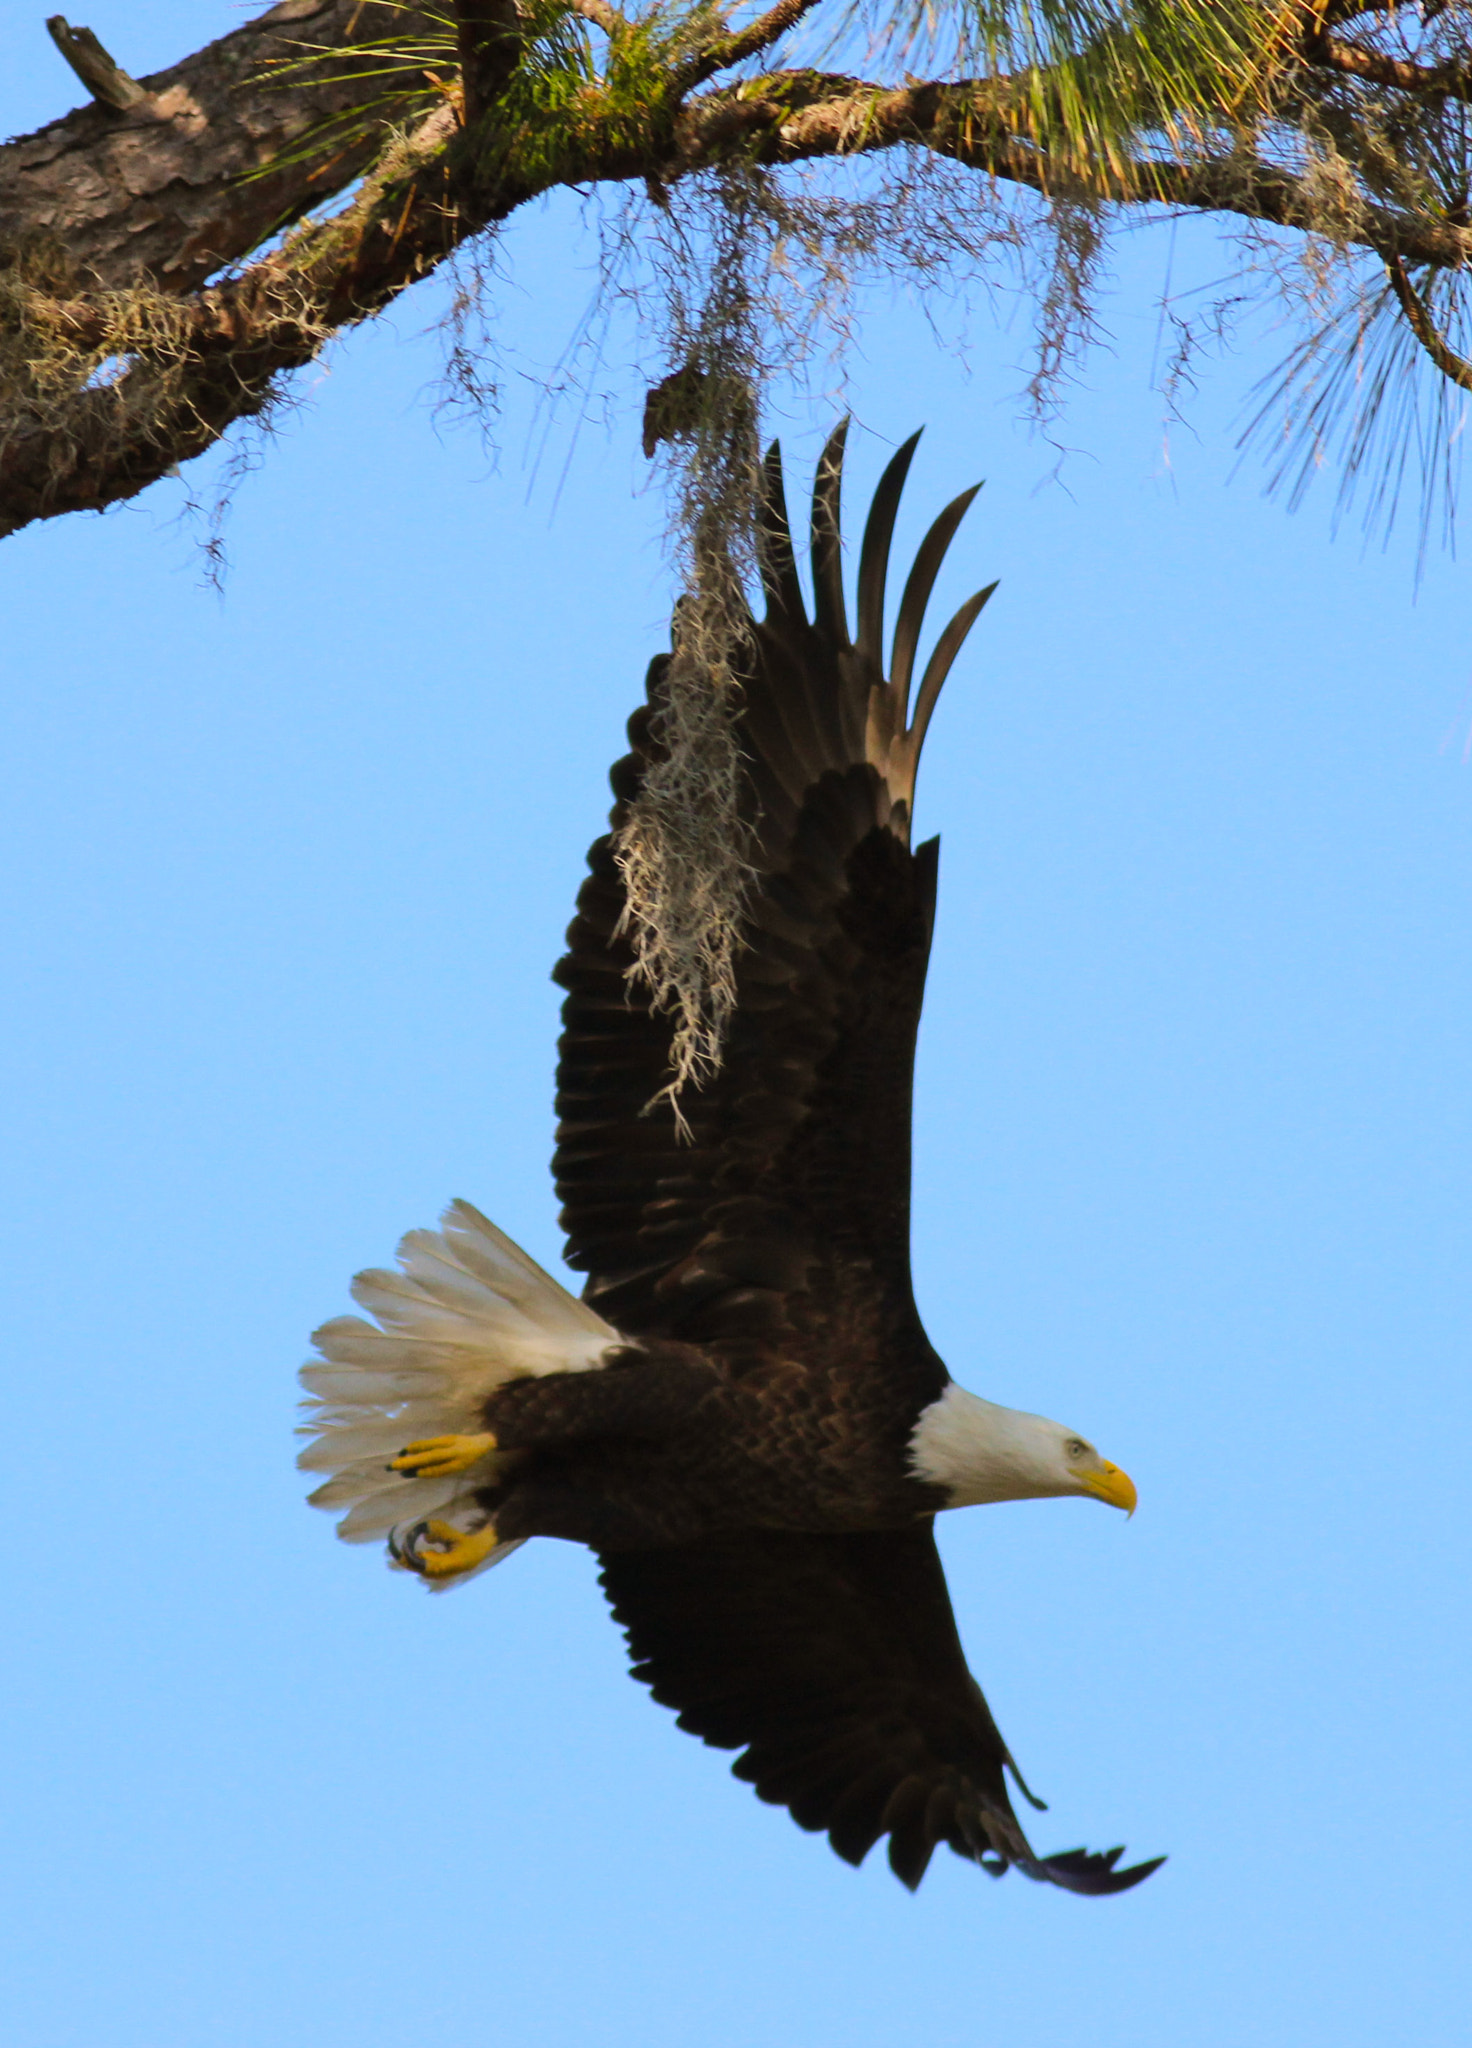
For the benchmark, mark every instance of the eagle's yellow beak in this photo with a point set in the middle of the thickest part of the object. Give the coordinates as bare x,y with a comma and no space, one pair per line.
1114,1486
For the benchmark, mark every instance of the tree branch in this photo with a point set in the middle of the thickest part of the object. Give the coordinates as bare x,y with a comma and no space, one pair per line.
217,355
1336,11
1357,60
602,16
222,157
757,36
491,40
1452,366
812,114
219,360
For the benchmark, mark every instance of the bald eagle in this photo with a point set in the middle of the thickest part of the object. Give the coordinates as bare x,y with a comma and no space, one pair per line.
742,1415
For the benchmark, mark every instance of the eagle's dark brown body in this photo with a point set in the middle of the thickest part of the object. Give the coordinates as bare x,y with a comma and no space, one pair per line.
662,1446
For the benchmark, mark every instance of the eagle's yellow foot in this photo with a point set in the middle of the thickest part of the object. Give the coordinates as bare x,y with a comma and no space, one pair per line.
437,1551
437,1457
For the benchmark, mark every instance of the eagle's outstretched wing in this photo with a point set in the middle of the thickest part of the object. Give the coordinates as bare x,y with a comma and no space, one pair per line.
833,1663
788,1202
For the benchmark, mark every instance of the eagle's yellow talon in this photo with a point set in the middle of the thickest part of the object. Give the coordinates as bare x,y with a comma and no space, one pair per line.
438,1457
437,1551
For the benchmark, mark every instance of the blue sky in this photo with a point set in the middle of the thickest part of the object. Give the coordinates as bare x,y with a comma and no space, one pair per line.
287,873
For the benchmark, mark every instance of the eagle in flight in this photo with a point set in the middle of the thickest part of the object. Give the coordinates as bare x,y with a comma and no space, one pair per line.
742,1415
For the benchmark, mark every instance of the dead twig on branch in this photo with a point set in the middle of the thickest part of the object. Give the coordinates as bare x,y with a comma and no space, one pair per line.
103,77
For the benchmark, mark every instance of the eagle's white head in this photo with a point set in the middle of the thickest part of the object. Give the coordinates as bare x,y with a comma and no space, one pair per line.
980,1452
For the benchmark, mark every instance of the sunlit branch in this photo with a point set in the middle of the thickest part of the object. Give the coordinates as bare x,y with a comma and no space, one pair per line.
609,19
757,36
1338,11
1452,366
1426,81
812,115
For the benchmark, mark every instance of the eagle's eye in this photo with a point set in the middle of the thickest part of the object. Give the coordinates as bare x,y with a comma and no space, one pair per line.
1076,1447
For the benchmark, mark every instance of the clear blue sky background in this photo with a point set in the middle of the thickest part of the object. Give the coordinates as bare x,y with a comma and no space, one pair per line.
286,875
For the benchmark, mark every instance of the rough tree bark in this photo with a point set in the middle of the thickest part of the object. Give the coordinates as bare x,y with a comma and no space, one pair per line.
183,185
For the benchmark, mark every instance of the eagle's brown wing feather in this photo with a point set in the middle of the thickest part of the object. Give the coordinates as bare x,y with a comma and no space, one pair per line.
791,1189
833,1663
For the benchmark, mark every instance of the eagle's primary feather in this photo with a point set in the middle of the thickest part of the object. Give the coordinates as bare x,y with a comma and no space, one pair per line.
766,1436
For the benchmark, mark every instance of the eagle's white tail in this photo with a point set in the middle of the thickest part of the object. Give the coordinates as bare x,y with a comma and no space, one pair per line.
468,1312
